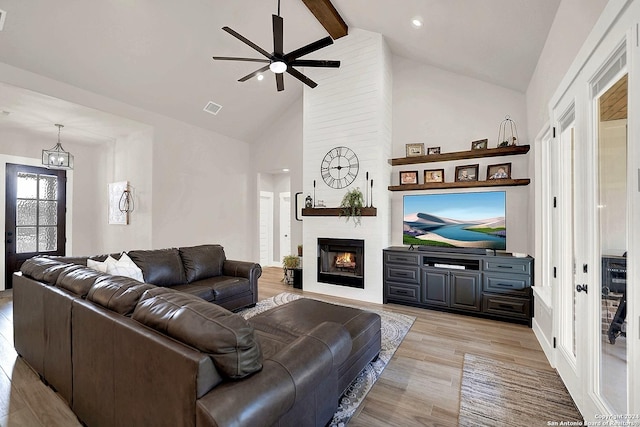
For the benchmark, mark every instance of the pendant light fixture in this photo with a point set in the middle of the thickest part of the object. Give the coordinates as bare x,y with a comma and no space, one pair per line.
56,157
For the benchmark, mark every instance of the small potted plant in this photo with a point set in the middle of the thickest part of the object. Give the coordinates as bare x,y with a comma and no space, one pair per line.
351,205
289,263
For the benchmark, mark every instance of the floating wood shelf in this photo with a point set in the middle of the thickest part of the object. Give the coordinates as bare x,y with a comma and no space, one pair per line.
466,184
460,155
335,211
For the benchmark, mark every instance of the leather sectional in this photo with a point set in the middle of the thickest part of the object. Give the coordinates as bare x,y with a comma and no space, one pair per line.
123,352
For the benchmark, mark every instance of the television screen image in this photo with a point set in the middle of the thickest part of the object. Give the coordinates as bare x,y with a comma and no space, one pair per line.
456,220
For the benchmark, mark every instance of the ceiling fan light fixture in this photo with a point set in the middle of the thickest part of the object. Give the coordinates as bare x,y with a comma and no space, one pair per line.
278,67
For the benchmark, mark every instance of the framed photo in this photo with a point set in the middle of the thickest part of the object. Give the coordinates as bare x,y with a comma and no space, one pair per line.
480,144
467,173
433,175
414,150
433,150
501,171
408,177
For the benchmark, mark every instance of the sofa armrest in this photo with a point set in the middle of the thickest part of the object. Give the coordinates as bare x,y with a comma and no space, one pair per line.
246,269
288,377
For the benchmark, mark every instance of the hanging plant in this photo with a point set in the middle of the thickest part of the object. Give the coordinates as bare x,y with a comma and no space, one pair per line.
351,205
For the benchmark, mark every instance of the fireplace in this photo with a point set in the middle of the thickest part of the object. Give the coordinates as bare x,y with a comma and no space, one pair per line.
341,262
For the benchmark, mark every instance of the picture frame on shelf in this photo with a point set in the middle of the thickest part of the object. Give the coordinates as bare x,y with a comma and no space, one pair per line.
414,150
467,173
408,177
480,144
433,175
499,171
433,150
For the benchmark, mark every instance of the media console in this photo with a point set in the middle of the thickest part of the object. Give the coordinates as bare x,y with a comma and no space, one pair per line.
487,285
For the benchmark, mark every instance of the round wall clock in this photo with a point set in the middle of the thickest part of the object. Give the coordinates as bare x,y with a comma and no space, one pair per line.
339,167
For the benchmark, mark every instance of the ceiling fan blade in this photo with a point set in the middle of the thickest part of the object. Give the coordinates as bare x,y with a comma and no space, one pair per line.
247,41
280,82
314,63
231,58
277,35
311,47
304,79
255,73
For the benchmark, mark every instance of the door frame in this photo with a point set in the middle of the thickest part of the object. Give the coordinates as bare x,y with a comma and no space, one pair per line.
27,161
285,220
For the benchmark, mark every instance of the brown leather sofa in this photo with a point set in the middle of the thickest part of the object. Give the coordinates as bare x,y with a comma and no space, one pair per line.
202,270
122,352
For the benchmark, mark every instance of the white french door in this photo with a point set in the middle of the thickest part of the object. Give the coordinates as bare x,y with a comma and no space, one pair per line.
595,182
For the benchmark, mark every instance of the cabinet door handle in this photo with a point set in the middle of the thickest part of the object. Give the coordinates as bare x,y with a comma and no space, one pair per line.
399,291
402,274
502,285
504,266
506,306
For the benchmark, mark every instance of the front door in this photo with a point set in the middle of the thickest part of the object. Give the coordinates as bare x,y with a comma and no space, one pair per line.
35,215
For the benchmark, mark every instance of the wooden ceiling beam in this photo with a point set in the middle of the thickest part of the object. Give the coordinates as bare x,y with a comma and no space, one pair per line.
328,16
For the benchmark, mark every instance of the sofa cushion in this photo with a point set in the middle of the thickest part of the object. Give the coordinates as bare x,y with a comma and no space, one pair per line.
79,280
227,337
162,267
117,293
36,267
202,262
217,288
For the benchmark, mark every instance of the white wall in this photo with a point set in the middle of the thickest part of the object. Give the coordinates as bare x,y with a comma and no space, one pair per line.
447,110
201,181
573,22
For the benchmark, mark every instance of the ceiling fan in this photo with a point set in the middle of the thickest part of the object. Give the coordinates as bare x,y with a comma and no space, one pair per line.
280,62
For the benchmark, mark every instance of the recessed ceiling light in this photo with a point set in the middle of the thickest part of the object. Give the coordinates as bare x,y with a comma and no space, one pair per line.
285,170
417,22
260,77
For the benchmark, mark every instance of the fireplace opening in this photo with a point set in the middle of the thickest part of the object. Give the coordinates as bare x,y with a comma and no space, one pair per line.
341,262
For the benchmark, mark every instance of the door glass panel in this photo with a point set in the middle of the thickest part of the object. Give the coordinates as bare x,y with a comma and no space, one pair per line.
612,221
47,239
26,213
27,186
26,239
48,187
48,213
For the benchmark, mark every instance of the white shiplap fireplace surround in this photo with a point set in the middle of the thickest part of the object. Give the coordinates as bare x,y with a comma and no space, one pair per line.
350,107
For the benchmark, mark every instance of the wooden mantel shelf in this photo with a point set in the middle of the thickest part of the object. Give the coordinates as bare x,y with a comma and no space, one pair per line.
460,184
335,211
459,155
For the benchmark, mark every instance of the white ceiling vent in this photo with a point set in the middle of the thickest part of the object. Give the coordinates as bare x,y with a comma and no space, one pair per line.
212,108
3,16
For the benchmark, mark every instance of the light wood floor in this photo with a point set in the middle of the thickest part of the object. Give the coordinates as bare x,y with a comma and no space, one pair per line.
419,387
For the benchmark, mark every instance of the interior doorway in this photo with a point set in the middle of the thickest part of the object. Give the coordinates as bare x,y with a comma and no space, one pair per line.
35,215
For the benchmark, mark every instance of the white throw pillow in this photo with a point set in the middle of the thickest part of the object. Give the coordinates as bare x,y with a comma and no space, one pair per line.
125,267
101,266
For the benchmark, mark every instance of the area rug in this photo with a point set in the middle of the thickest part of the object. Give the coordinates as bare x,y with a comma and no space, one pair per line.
394,328
496,393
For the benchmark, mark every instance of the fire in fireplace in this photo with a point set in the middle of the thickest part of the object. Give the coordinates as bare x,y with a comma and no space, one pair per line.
341,262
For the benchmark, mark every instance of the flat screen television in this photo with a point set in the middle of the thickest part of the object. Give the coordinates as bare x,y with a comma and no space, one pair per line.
463,221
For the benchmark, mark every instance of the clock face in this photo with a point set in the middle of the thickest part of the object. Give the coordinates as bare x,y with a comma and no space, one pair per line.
339,167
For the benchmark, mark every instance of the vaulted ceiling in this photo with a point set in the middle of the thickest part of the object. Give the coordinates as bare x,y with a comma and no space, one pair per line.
156,54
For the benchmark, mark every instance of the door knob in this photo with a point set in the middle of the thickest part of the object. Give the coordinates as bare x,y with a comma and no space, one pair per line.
581,288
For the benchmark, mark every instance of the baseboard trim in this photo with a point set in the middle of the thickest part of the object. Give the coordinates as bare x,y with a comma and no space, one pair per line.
547,347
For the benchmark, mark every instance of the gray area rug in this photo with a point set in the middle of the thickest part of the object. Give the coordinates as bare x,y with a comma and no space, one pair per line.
394,328
496,393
